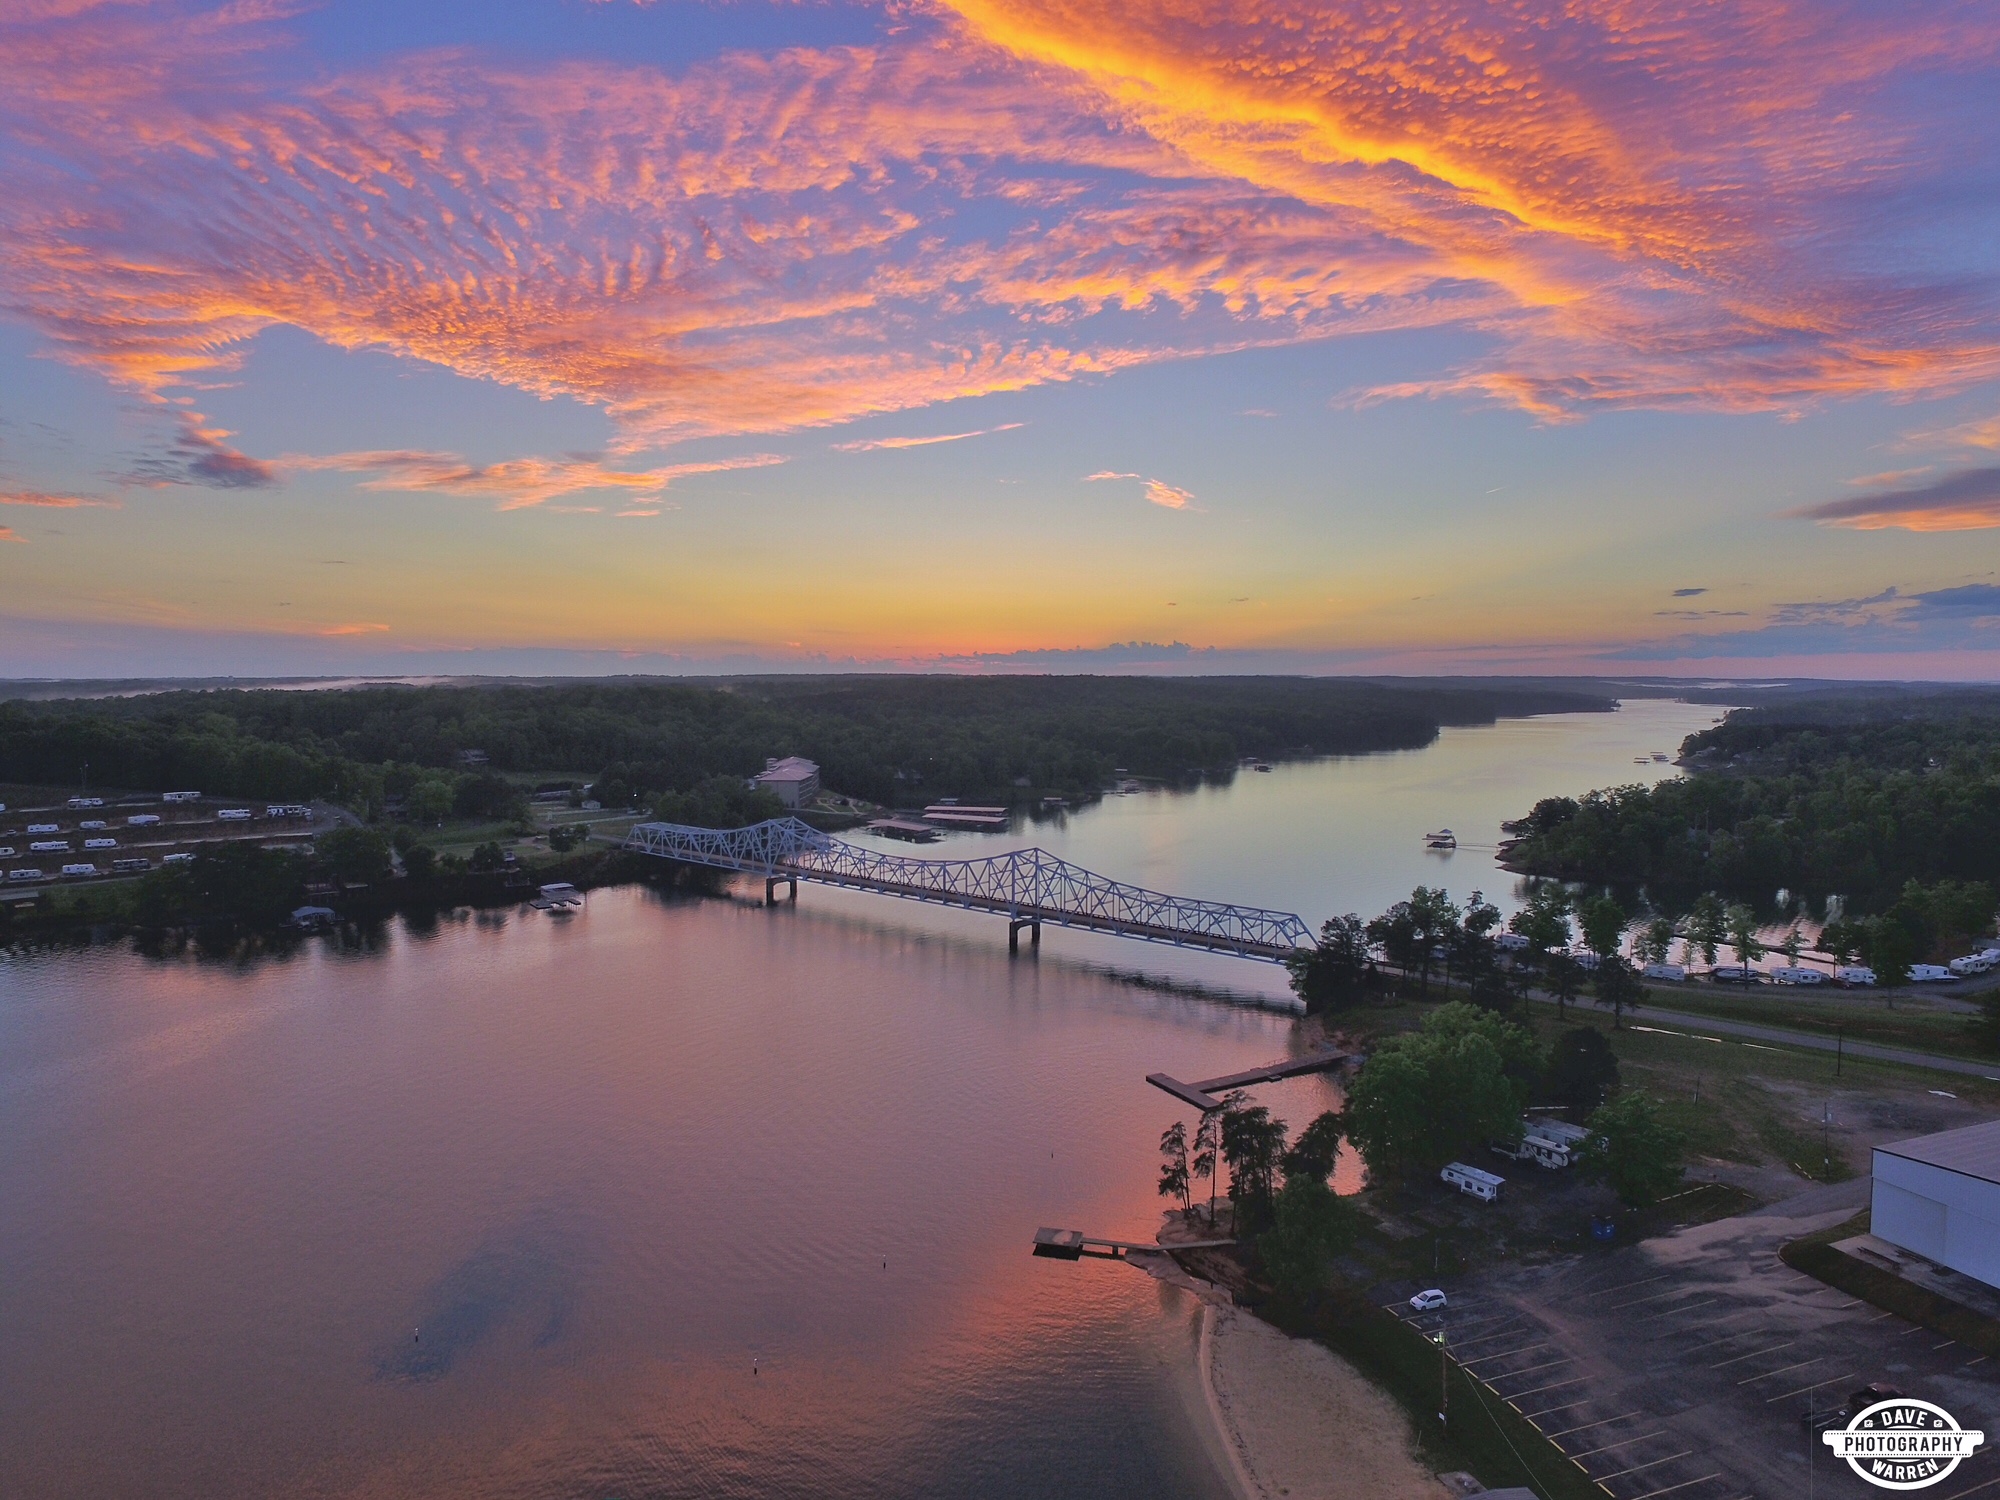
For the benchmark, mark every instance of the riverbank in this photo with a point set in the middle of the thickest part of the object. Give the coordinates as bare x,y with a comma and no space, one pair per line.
1297,1420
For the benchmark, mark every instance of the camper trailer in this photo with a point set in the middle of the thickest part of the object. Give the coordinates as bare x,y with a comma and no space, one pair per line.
1547,1143
1473,1182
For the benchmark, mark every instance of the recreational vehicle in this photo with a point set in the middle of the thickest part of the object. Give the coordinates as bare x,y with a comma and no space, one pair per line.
1473,1182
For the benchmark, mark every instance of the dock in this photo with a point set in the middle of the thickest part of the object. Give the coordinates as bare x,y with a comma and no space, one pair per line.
1074,1244
1205,1094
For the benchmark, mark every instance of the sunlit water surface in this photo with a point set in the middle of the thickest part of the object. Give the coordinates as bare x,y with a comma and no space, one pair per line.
673,1197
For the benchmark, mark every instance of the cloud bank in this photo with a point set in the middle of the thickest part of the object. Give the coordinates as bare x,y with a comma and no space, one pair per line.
1748,207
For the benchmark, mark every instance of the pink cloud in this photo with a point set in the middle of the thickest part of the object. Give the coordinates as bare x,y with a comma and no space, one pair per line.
516,483
1635,208
46,501
870,445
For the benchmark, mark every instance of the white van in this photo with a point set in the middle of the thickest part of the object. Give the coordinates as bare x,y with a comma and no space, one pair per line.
78,872
1470,1180
1665,971
1854,974
1797,974
24,874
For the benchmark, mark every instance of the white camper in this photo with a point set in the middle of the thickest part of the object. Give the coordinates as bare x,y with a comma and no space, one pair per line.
1470,1180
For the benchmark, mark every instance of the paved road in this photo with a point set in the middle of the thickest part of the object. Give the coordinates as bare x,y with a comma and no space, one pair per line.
1811,1041
1681,1366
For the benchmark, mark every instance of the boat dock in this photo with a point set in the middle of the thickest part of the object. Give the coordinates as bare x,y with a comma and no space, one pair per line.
1205,1095
1074,1244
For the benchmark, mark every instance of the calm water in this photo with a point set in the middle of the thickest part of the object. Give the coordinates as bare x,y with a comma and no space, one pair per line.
513,1206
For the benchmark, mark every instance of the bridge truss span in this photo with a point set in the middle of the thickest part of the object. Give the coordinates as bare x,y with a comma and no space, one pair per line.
1028,886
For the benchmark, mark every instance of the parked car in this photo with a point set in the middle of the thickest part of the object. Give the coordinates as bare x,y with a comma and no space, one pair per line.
1429,1301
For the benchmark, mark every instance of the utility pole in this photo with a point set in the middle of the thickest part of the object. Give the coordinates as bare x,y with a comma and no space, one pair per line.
1825,1150
1445,1383
1839,1048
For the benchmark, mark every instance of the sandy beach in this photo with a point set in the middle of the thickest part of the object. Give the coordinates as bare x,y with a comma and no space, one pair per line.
1298,1421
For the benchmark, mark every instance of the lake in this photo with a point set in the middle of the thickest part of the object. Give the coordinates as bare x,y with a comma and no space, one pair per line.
675,1196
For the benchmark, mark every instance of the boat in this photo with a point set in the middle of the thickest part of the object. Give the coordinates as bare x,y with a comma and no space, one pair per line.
1660,756
1444,838
1263,765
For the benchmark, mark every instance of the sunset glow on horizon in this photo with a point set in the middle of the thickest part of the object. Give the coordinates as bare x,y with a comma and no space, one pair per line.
586,335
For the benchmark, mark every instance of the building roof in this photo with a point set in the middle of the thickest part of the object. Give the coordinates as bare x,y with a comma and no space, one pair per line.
1973,1150
791,768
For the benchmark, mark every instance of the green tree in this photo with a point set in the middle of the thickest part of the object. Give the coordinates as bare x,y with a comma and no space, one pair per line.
1655,941
1635,1149
1313,1154
355,853
1706,926
1207,1155
1582,1071
1253,1144
1330,975
1544,920
487,858
1984,1029
1428,1096
1618,987
1411,932
1564,975
429,799
1791,946
1741,923
1886,946
1174,1179
420,862
1603,922
1310,1227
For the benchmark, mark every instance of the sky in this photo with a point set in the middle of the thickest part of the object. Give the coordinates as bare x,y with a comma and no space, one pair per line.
1609,336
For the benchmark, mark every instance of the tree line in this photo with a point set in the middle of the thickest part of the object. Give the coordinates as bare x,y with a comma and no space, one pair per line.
1850,799
887,739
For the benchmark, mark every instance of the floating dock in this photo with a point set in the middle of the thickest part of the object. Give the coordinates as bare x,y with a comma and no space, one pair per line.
1074,1244
1204,1095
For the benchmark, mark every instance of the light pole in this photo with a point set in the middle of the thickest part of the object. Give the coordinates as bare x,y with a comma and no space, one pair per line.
1444,1382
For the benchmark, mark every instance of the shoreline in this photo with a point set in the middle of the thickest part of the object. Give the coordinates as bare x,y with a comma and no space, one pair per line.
1291,1417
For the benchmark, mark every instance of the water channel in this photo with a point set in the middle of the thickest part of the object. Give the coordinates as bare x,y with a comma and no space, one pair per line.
675,1197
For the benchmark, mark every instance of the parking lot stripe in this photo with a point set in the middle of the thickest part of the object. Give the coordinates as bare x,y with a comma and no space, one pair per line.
1782,1369
1587,1425
1679,1291
1482,1339
1650,1464
1518,1395
1507,1353
1674,1312
1786,1396
1945,1345
1549,1411
1545,1365
1971,1362
1754,1353
1609,1291
1621,1443
1982,1485
1686,1484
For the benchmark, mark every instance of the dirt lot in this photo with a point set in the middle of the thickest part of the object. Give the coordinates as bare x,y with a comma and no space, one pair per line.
1682,1365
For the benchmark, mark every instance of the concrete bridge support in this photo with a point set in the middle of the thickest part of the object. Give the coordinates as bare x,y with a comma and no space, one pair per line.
1034,926
771,884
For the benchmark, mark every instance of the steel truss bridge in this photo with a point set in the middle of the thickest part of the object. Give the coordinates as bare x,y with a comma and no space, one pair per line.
1027,886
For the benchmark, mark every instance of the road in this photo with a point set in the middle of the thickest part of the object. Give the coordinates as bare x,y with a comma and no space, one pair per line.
1657,1017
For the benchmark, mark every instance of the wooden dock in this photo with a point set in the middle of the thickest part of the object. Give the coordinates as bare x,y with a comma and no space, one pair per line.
1074,1244
1205,1095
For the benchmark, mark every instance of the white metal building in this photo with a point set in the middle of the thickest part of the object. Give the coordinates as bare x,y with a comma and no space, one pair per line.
795,779
1939,1197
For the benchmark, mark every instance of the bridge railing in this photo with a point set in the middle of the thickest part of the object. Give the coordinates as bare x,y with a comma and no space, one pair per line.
1027,884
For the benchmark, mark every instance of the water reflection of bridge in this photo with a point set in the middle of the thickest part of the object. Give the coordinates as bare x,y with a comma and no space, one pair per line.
1027,886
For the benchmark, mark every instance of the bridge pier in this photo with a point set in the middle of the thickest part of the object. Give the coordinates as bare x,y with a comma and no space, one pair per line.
771,884
1034,926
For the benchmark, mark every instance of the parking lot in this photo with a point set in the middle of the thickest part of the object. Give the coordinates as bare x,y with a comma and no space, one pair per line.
1684,1365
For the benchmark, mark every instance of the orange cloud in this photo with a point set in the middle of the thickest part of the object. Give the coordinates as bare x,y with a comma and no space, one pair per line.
1965,501
1157,491
362,629
46,501
1635,205
870,445
9,534
517,484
